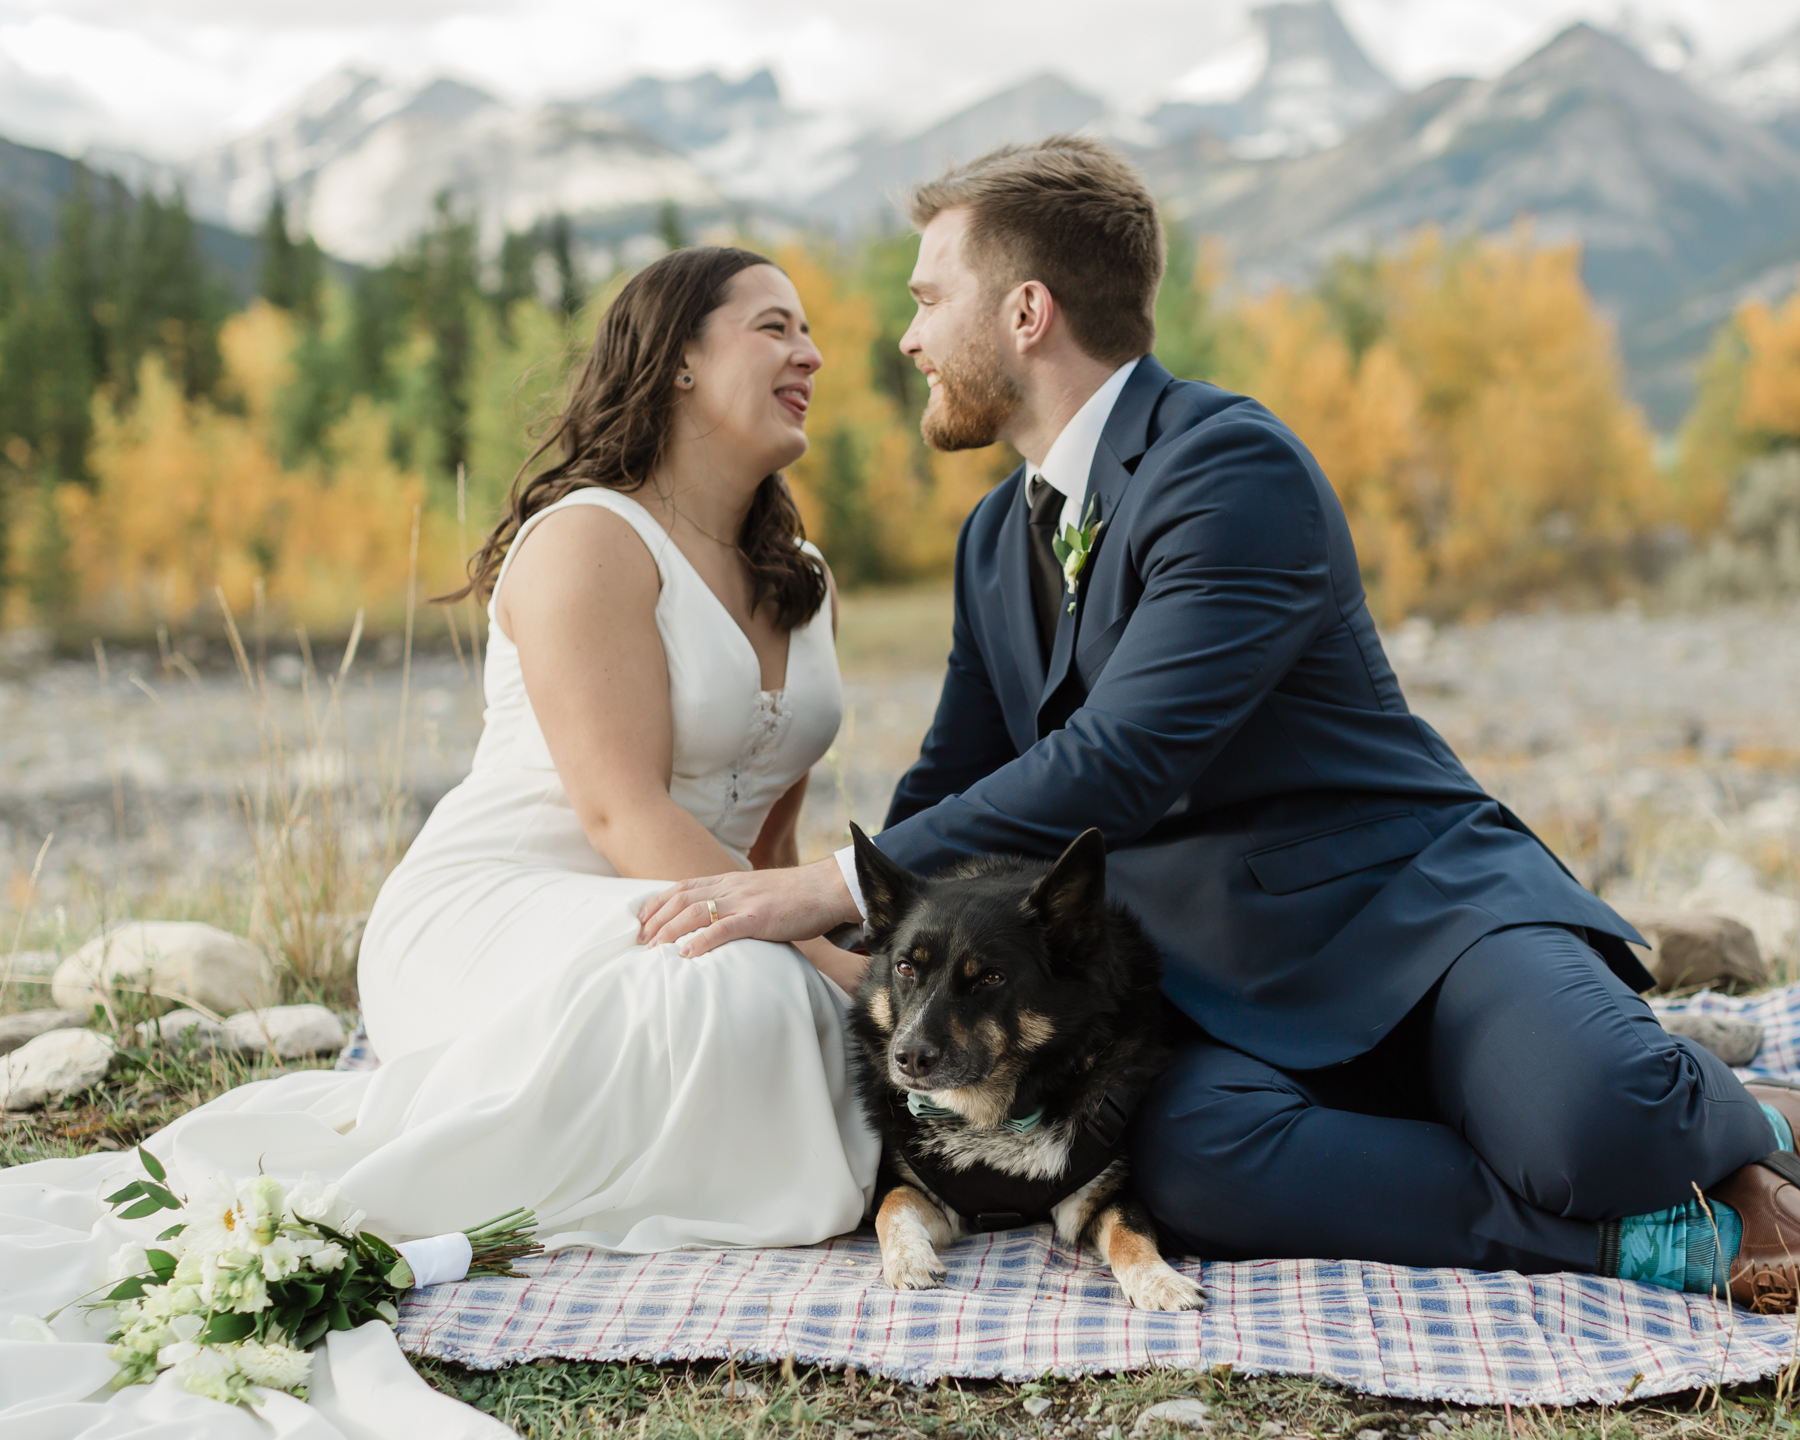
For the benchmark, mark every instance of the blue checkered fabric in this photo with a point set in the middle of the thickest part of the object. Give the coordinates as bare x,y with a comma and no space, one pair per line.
1018,1305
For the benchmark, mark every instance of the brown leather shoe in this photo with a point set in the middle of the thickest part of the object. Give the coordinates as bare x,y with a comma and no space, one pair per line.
1782,1095
1765,1276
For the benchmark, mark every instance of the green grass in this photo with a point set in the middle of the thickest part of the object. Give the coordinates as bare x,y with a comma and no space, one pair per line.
696,1401
708,1400
146,1089
895,629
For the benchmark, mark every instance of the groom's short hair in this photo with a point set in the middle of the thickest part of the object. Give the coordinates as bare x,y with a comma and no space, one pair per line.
1073,214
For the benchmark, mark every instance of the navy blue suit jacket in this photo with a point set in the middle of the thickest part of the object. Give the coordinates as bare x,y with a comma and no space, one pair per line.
1309,855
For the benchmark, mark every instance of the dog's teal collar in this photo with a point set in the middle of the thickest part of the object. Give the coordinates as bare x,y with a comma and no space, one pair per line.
923,1109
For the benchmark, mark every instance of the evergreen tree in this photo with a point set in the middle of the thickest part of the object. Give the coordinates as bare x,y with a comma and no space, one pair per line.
444,277
291,274
668,226
276,280
518,257
377,323
852,535
1187,331
569,294
165,302
1351,290
71,342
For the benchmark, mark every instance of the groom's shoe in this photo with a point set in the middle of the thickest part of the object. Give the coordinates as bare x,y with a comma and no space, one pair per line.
1765,1275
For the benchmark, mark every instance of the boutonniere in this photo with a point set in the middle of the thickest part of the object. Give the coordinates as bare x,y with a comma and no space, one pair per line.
1073,547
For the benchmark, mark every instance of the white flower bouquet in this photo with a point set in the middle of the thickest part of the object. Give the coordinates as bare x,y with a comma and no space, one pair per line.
253,1274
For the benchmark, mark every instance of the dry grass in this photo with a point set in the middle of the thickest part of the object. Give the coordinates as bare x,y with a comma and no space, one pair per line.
559,1400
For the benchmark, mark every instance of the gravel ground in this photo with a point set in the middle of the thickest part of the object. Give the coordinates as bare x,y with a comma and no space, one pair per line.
1639,746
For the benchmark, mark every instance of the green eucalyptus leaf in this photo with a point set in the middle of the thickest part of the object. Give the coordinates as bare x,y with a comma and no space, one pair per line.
310,1333
130,1288
140,1210
172,1231
162,1262
227,1326
152,1164
130,1192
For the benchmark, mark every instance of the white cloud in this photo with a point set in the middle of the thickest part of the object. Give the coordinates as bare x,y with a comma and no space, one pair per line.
182,73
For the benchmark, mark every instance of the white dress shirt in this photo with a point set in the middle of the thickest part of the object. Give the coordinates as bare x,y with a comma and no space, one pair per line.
1066,468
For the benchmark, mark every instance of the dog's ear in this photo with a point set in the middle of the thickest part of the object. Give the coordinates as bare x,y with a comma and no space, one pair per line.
1071,899
887,887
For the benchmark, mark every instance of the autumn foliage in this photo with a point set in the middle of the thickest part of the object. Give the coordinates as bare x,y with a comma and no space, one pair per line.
1465,400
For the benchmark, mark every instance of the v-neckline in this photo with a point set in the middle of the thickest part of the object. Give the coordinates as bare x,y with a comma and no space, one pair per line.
787,658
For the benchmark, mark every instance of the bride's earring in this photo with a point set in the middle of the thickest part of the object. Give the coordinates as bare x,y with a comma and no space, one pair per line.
686,382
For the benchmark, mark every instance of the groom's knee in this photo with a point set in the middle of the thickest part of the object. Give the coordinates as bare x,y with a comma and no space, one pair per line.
1203,1142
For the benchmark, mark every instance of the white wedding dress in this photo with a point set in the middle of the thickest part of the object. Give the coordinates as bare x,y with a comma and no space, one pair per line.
533,1054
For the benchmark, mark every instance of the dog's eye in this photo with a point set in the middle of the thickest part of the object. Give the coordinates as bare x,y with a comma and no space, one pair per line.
904,969
992,977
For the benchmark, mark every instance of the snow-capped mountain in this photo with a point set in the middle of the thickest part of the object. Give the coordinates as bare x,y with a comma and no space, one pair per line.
741,133
1764,84
881,167
1664,188
1298,83
361,161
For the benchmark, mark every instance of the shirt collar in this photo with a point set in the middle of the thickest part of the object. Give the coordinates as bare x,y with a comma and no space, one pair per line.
1071,456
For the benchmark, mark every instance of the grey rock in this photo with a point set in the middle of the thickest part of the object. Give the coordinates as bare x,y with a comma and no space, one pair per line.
23,649
15,1030
1773,919
288,1031
1691,949
53,1066
31,962
1733,1041
1182,1414
182,1028
1035,1406
220,971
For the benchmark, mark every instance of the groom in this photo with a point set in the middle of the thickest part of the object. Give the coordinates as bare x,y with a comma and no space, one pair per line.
1416,1039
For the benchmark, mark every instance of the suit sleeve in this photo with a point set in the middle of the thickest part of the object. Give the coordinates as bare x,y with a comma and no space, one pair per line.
968,739
1232,552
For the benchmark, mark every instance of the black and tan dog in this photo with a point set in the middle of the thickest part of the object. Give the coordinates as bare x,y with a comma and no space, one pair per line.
1009,1021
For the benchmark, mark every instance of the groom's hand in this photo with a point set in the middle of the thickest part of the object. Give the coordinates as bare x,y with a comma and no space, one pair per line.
797,904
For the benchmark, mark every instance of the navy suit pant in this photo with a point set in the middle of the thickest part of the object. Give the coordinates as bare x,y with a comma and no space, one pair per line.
1528,1096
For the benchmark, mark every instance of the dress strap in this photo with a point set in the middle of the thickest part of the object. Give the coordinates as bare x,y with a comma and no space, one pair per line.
656,539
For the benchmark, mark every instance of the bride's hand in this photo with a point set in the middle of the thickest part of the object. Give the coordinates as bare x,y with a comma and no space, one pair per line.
796,904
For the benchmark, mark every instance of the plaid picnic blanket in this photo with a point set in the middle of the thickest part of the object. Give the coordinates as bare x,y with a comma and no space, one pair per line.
1018,1305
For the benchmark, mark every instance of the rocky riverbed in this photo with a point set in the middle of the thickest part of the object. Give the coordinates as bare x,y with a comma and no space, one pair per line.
1645,748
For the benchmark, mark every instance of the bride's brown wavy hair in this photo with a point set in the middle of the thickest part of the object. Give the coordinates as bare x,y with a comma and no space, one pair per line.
615,427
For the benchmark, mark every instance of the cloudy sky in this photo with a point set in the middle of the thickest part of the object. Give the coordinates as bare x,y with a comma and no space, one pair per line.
170,76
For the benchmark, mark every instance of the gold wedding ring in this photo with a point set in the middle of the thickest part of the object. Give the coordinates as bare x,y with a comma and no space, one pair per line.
712,912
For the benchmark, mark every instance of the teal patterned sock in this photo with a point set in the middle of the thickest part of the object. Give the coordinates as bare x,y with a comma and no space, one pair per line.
1677,1248
1784,1132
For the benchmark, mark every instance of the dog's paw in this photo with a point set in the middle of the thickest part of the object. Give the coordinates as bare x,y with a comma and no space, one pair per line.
913,1265
1157,1285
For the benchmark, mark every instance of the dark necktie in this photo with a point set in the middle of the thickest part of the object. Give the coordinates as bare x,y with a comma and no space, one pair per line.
1046,574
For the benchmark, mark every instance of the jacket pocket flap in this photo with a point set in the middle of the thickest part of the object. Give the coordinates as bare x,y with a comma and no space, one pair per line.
1283,869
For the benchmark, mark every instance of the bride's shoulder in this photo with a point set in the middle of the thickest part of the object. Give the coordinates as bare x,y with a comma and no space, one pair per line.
580,554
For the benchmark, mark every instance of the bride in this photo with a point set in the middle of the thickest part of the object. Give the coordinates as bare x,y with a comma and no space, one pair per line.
661,678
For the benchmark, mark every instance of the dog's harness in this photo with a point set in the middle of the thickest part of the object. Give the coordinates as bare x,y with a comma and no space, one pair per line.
991,1199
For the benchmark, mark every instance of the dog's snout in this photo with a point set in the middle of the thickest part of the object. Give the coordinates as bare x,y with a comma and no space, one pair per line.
917,1059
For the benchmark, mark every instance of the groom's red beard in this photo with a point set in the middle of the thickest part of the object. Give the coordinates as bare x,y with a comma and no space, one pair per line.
973,398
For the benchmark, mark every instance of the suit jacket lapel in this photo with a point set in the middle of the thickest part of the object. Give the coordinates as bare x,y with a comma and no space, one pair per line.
1015,587
1122,442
